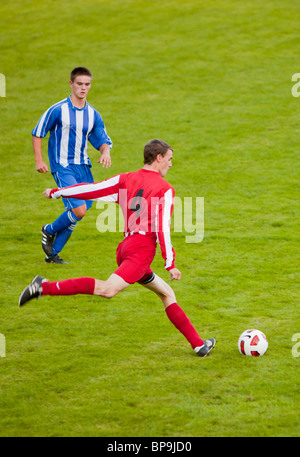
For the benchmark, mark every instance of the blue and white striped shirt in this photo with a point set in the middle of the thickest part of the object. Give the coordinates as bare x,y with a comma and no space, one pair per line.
70,128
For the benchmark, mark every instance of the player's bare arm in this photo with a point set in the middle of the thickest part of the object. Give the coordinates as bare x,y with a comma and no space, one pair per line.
40,165
105,159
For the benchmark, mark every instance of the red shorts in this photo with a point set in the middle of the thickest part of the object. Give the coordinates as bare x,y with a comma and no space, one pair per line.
134,257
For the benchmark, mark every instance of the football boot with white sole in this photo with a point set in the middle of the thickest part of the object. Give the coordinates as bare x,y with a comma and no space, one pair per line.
34,290
205,349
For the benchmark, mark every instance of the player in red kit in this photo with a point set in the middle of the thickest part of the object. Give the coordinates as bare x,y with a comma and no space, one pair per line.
146,200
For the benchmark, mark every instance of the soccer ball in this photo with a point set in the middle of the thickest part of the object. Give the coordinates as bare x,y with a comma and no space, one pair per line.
253,342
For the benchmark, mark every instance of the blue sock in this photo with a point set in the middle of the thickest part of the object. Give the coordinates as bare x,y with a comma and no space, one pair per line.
62,238
65,220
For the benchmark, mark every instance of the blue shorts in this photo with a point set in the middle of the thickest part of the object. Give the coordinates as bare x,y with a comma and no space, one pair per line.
71,175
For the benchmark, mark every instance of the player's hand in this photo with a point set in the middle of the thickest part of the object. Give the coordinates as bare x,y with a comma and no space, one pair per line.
105,160
41,167
175,274
46,193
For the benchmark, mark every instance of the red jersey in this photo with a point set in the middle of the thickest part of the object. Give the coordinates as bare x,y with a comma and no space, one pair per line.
146,200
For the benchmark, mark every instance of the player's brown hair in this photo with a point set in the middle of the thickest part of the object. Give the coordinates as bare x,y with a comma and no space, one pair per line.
79,71
153,148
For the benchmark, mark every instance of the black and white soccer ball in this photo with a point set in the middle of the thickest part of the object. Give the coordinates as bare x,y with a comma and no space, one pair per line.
253,342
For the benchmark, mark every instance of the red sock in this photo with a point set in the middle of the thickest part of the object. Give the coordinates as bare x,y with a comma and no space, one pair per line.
178,318
69,287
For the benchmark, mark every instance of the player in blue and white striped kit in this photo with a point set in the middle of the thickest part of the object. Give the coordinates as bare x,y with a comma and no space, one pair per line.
71,122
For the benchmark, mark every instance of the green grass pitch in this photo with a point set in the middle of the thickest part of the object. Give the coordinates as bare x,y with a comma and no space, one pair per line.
214,79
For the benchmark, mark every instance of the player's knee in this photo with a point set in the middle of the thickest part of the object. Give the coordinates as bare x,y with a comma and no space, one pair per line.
168,292
167,296
105,289
108,292
80,211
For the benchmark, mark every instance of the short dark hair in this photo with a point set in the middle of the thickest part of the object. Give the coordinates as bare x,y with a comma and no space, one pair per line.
153,148
79,71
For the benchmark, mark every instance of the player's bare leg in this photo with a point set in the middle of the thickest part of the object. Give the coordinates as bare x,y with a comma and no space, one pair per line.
111,287
163,290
